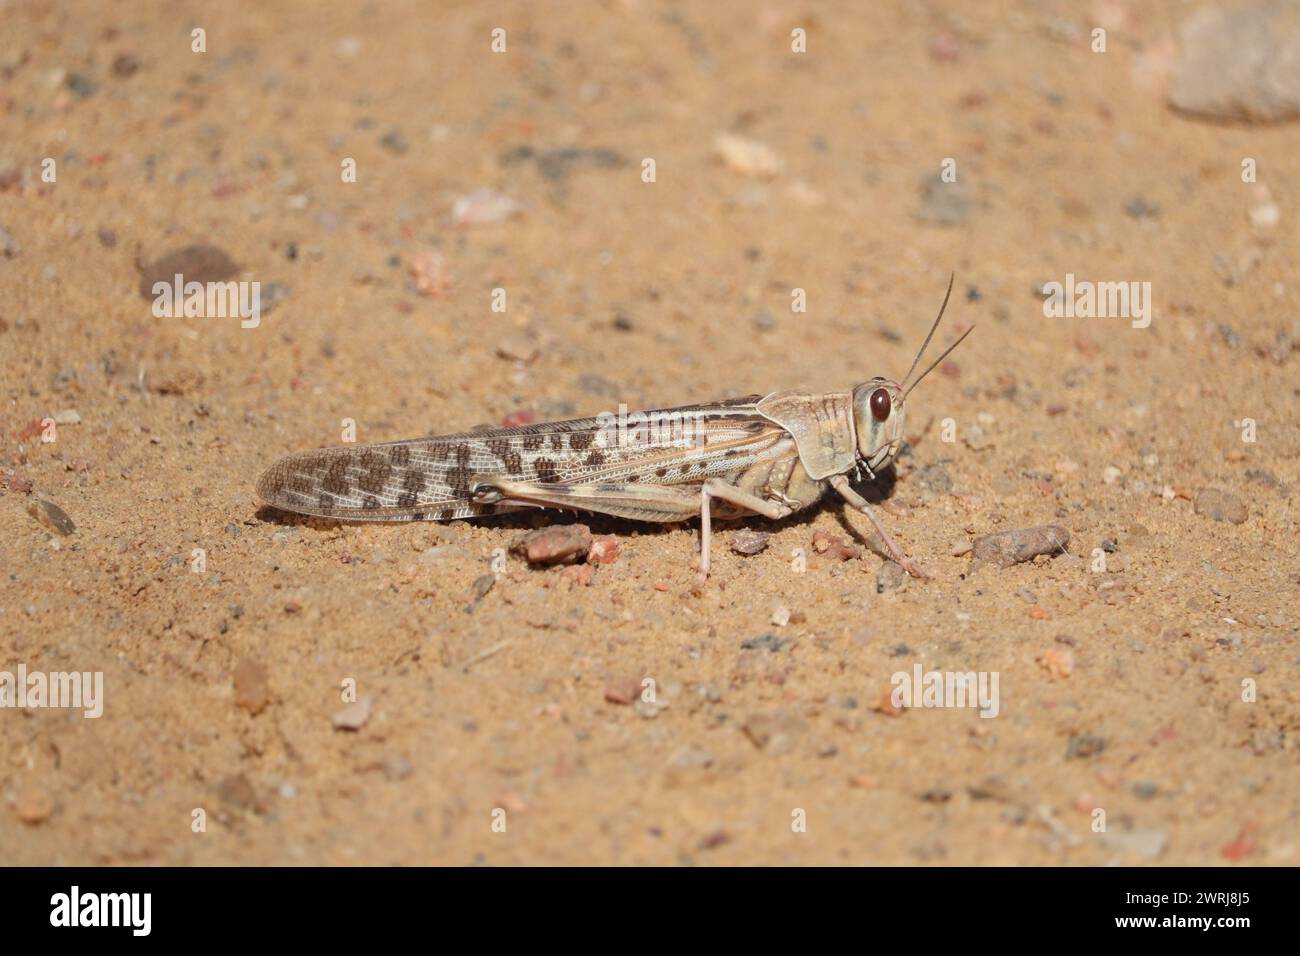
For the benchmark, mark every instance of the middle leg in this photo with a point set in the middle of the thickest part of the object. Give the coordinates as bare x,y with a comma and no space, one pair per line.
723,491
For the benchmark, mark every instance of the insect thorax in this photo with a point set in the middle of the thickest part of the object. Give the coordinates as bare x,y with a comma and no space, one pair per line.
821,426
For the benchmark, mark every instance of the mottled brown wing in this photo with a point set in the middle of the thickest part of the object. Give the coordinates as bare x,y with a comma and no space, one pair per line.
434,478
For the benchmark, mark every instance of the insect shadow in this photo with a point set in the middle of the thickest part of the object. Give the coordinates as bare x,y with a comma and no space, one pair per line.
522,520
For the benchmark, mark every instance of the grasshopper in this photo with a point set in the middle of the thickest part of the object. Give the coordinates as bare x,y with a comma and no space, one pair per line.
770,455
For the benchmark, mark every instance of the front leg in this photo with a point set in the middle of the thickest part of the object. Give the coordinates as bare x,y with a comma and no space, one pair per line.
855,500
724,491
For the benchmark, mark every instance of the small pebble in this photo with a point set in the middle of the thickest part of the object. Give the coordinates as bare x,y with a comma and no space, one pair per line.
1059,664
197,263
1006,548
1239,63
394,141
482,585
238,791
354,715
272,294
691,758
558,544
51,516
748,541
125,65
442,552
1243,846
430,274
1084,745
578,575
604,550
1219,505
33,807
81,86
764,642
252,689
747,157
934,479
1139,208
598,385
1145,789
774,733
835,547
890,577
511,802
8,244
517,348
1149,843
623,690
484,207
1265,215
943,203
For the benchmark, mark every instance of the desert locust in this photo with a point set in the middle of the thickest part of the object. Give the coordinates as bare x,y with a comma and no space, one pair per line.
770,455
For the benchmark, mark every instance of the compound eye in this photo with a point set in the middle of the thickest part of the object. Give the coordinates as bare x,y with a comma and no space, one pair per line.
880,404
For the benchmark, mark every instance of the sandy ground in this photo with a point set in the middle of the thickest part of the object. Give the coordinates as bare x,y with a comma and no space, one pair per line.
1120,690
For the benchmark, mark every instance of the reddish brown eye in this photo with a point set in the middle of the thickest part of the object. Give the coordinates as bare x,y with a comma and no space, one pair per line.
880,404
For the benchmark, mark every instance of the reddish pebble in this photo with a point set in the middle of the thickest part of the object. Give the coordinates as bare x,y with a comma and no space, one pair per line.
252,687
623,690
578,575
522,416
558,544
1243,846
835,547
511,802
1165,733
430,274
33,808
1057,663
945,47
887,706
604,550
